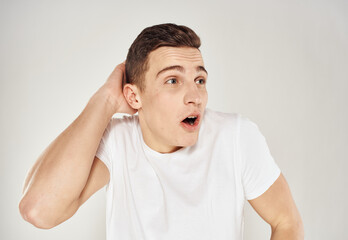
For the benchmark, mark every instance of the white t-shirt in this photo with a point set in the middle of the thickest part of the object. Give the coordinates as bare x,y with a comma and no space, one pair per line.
195,193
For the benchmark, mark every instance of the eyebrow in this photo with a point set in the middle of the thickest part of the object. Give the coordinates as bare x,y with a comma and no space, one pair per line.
180,69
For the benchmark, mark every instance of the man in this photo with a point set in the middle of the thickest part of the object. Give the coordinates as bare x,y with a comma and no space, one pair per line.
174,171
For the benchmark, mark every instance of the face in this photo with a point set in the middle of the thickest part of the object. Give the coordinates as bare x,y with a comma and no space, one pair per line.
174,99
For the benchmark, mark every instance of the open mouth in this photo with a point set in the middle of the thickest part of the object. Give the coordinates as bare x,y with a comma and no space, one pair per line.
191,123
190,120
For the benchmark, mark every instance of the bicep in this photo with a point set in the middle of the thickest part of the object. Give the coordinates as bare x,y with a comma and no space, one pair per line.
99,176
276,205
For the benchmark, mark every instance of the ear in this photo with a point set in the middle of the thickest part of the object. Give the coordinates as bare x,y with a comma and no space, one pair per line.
132,96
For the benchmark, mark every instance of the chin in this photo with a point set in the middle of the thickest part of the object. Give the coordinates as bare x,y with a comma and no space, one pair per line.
188,141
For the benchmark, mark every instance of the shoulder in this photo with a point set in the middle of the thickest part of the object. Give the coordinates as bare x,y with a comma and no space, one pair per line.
221,124
248,128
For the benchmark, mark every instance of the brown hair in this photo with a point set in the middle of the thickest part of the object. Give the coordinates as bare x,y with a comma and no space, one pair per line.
150,39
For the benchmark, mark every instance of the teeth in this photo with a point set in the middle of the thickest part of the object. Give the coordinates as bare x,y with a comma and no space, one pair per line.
190,120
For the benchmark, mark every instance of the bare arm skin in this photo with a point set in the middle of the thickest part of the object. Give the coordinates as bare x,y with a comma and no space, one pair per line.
277,207
67,173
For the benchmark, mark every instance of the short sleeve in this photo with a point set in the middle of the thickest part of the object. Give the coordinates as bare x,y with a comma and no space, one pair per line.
104,150
259,170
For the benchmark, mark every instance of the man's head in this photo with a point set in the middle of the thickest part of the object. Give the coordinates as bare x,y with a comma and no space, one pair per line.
166,82
150,39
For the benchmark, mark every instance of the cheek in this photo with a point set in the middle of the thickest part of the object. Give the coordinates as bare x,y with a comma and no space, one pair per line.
168,100
167,110
204,96
161,107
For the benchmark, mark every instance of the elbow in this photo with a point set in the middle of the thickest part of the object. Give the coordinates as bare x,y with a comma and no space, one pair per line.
298,228
291,230
34,216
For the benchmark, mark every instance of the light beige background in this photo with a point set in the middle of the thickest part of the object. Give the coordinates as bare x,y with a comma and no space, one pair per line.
283,64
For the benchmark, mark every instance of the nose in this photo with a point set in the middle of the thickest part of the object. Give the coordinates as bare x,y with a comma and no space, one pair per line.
192,95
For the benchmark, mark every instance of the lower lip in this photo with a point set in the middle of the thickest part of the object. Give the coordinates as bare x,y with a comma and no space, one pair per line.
191,128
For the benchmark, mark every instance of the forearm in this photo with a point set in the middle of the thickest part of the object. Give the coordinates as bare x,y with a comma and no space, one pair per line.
61,172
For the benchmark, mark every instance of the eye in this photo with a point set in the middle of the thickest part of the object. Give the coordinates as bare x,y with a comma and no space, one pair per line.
172,81
200,81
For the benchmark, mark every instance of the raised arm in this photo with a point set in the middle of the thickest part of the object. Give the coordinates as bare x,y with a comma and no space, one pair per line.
67,173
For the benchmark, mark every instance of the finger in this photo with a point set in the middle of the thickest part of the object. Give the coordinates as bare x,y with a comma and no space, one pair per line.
124,80
117,72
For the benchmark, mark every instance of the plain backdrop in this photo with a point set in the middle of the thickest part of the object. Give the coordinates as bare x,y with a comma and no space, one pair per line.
283,64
